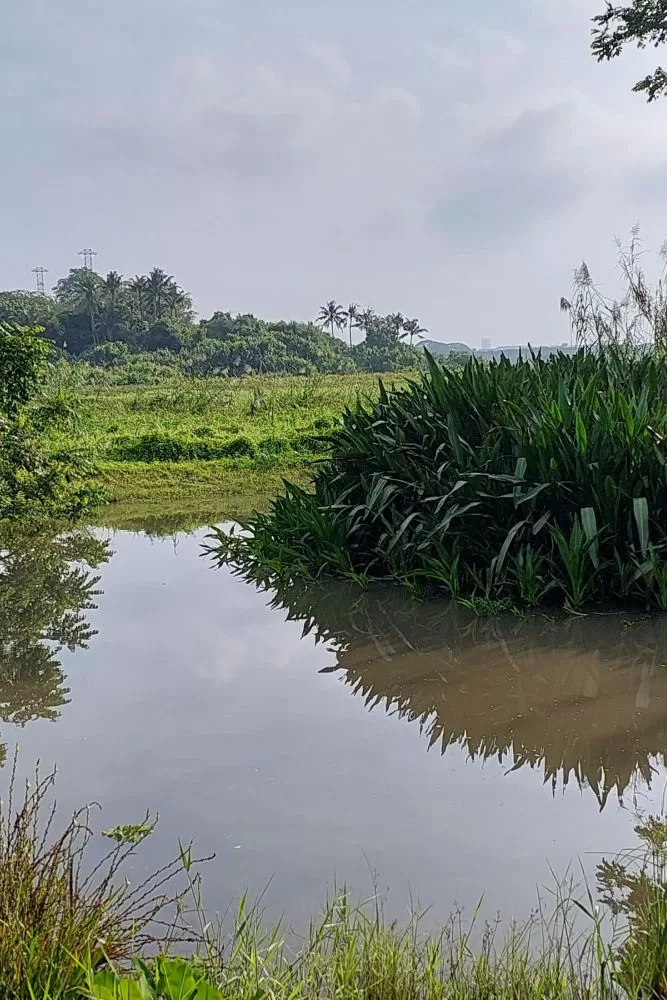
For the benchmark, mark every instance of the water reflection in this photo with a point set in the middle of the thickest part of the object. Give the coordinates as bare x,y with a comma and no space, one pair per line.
46,586
582,699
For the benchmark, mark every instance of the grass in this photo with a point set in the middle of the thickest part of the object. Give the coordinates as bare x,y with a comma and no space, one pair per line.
540,482
60,913
197,442
71,926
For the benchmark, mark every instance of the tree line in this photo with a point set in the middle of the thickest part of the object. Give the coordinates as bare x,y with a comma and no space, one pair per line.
148,322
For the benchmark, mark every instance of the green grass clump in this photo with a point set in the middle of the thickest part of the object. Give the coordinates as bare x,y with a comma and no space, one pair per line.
60,915
506,484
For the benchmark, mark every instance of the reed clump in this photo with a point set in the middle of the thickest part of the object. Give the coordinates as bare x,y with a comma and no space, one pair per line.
508,484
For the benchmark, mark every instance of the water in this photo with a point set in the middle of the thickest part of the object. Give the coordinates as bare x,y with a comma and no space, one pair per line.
446,758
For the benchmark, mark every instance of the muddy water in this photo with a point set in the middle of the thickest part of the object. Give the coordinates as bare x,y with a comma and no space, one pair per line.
315,736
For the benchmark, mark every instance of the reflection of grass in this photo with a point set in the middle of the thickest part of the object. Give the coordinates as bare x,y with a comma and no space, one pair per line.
202,492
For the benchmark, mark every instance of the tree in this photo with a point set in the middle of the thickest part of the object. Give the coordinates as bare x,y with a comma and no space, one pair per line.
138,287
332,315
84,288
27,308
113,284
353,314
641,22
413,329
157,285
23,356
397,323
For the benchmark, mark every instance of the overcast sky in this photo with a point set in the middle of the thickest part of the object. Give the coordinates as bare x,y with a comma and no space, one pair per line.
453,160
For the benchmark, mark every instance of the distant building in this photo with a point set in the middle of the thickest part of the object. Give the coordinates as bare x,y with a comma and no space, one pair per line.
486,343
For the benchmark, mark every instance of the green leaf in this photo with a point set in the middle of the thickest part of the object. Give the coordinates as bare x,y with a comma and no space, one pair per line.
176,979
511,534
640,508
206,992
108,986
581,435
590,525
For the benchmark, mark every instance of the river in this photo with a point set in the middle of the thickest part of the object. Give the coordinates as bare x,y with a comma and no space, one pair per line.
324,736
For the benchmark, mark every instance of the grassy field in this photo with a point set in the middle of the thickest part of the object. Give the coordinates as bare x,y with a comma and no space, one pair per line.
217,445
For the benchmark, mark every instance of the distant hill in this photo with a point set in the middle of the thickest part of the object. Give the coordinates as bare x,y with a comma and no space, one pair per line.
438,347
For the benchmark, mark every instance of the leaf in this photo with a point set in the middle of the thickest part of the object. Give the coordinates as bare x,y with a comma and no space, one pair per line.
520,468
511,534
176,979
108,986
640,508
539,524
590,525
207,992
402,528
581,435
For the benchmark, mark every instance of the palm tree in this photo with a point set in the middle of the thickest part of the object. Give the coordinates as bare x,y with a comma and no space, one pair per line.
353,316
174,297
397,323
113,283
158,282
413,329
81,287
139,288
332,315
367,319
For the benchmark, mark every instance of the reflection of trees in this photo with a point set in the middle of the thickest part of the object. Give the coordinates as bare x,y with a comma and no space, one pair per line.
46,586
581,699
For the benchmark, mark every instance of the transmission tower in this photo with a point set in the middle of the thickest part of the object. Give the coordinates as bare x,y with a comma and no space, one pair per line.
87,255
39,273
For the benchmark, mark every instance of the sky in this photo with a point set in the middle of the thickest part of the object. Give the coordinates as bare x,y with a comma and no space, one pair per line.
452,160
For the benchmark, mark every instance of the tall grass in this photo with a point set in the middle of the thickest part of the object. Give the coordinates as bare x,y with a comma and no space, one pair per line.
511,484
62,914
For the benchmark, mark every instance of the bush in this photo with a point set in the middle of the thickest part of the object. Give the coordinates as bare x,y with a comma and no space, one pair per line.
543,480
236,448
35,482
160,447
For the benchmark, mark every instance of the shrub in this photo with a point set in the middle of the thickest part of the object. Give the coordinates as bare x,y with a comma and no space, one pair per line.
34,482
161,447
236,448
543,480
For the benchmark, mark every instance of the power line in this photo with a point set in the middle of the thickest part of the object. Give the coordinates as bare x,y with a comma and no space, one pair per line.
39,273
87,255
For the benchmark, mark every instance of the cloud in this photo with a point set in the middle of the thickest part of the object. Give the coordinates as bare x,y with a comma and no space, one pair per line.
370,155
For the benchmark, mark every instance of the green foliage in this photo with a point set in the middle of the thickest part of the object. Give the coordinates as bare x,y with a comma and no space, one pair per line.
163,979
35,482
642,23
520,482
26,308
23,357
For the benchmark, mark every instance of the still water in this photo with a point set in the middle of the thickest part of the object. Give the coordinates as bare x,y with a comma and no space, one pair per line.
322,736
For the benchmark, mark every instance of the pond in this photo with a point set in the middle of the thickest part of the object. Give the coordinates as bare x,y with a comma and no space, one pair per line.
323,736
